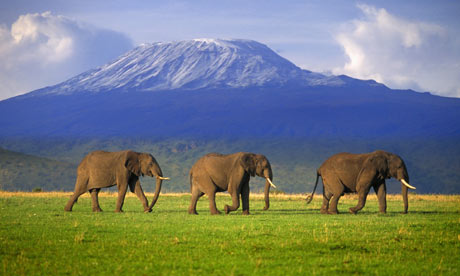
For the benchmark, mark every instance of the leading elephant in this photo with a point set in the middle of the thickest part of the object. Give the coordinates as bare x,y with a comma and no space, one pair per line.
357,173
216,172
101,169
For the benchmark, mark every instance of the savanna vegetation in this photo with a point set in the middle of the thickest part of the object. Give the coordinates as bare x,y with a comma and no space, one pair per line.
38,238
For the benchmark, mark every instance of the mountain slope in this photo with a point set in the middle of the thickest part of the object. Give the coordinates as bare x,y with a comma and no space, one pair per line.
269,113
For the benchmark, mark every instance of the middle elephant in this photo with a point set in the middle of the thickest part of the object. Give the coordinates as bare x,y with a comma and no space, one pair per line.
216,172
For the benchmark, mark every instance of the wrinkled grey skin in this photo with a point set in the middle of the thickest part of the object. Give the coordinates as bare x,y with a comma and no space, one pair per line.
100,169
216,172
357,173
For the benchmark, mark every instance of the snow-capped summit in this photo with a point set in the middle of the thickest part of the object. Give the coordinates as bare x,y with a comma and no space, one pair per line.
193,64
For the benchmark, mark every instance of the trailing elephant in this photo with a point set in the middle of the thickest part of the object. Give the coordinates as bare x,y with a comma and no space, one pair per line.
216,172
357,173
101,169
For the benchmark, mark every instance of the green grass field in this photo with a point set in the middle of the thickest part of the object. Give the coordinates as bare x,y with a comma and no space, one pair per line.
292,238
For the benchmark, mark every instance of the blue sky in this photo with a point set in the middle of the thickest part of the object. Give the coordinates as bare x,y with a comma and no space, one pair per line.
403,44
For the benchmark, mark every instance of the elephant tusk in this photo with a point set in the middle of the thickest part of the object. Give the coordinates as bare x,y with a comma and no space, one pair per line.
271,184
407,184
163,178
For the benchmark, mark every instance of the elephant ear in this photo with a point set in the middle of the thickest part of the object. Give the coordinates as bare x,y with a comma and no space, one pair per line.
248,162
376,165
379,162
132,162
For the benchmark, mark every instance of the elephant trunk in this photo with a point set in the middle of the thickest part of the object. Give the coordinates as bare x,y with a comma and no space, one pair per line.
159,181
404,195
267,194
404,190
268,175
403,176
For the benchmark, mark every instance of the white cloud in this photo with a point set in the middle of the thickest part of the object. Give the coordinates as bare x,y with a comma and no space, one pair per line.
45,49
401,53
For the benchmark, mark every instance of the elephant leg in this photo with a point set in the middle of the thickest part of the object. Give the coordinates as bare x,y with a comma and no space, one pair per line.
333,204
200,185
121,197
326,197
362,196
337,193
245,198
381,191
140,194
95,200
212,203
236,202
80,188
332,191
196,194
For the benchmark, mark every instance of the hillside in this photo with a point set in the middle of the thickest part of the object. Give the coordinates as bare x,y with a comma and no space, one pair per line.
22,172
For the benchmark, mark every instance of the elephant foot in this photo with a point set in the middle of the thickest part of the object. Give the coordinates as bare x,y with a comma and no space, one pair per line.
192,212
323,211
227,209
148,210
97,210
216,212
68,209
119,211
335,212
245,212
266,208
352,211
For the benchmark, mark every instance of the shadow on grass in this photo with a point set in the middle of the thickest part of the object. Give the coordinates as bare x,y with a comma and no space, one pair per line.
432,212
174,211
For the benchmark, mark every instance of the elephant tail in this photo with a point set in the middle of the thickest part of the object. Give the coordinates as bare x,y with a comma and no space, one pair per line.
310,197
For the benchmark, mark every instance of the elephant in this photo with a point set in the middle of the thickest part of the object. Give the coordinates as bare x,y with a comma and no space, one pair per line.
215,172
357,173
101,169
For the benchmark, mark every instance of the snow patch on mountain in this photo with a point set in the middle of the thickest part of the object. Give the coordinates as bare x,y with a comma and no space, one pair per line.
194,64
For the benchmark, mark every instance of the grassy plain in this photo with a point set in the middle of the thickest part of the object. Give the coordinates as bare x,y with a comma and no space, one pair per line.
38,238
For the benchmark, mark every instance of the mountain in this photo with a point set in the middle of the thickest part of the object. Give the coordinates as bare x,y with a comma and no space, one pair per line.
222,88
191,65
236,95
